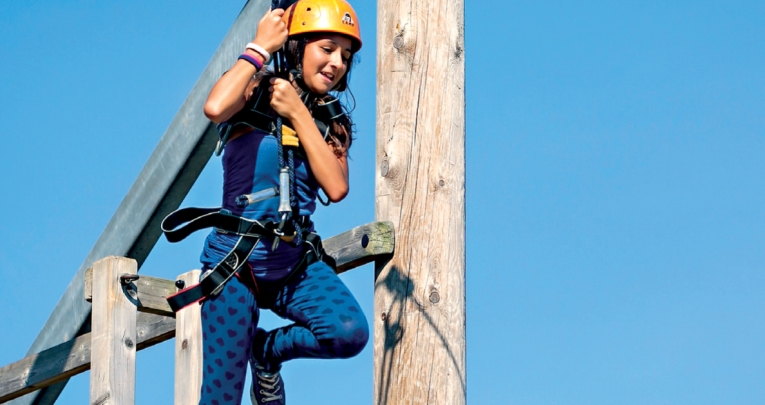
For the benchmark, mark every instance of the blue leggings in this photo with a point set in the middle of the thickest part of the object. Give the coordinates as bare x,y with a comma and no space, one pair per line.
328,323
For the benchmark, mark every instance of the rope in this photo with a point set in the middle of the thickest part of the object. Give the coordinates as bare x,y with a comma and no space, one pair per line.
280,69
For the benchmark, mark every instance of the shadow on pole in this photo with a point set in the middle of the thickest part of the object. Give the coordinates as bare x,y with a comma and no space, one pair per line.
401,288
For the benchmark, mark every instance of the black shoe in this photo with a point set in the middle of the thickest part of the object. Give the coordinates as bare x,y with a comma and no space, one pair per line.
267,388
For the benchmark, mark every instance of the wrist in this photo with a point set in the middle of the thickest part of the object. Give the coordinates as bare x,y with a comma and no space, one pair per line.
256,55
300,115
268,48
253,60
264,52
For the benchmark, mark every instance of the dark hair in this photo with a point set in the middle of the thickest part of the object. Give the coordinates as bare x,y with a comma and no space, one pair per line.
342,128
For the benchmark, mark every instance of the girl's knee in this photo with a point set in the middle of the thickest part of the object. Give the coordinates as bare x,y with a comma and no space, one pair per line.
350,336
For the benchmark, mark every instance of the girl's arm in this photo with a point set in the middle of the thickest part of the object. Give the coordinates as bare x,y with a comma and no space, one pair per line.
230,92
330,171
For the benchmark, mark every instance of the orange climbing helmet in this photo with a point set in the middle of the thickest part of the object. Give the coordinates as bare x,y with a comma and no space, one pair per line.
337,16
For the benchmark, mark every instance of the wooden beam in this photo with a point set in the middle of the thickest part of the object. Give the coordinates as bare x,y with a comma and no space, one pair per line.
71,358
351,249
188,349
419,318
113,339
360,245
150,293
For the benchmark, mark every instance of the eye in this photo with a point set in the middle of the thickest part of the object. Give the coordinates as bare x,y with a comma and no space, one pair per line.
326,49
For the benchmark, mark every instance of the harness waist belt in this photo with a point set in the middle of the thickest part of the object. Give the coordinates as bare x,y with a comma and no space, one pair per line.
182,223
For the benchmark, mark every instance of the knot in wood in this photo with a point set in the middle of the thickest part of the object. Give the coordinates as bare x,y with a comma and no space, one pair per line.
129,343
398,42
185,344
365,241
434,297
384,168
384,317
458,52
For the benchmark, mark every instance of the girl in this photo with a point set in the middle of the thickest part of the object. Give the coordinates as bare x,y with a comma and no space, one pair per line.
319,39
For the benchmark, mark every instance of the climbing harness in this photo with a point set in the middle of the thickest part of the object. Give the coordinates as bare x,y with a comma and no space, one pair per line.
183,222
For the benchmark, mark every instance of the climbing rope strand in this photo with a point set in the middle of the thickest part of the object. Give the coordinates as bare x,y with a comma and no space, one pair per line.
291,163
281,70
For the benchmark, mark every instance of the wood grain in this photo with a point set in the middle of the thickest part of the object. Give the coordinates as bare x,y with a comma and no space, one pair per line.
151,293
188,349
71,358
113,335
419,319
360,245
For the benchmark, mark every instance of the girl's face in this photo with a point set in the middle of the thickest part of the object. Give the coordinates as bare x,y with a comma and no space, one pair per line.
325,61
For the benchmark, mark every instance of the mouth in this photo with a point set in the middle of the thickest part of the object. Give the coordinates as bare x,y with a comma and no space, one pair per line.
328,76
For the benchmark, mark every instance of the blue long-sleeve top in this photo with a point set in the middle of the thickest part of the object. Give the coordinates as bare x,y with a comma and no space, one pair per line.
251,164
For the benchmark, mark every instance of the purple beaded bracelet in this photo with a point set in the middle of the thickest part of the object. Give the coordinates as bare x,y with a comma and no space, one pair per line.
252,60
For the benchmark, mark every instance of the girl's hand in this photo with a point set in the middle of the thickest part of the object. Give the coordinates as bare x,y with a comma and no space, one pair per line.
284,99
272,31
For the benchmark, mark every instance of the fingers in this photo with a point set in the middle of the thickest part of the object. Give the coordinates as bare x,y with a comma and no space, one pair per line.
278,88
275,95
281,83
275,13
284,98
272,31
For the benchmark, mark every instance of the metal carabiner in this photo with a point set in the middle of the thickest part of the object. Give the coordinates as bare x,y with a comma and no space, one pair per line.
279,232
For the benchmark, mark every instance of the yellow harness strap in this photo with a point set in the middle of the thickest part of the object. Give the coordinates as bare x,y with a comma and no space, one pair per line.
289,136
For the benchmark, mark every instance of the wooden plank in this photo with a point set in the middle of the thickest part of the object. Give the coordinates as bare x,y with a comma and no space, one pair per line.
188,349
113,336
70,358
351,249
43,369
151,293
360,245
419,319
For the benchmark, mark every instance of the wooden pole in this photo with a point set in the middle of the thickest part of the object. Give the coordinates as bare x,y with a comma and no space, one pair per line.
113,337
188,349
419,319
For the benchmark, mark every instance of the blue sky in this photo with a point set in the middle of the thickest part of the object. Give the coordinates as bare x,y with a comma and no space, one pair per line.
615,185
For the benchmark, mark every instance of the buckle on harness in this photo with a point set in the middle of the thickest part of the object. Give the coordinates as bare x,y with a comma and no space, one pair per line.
279,231
282,236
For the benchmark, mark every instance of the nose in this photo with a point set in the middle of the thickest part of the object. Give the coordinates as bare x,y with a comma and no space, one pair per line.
336,59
